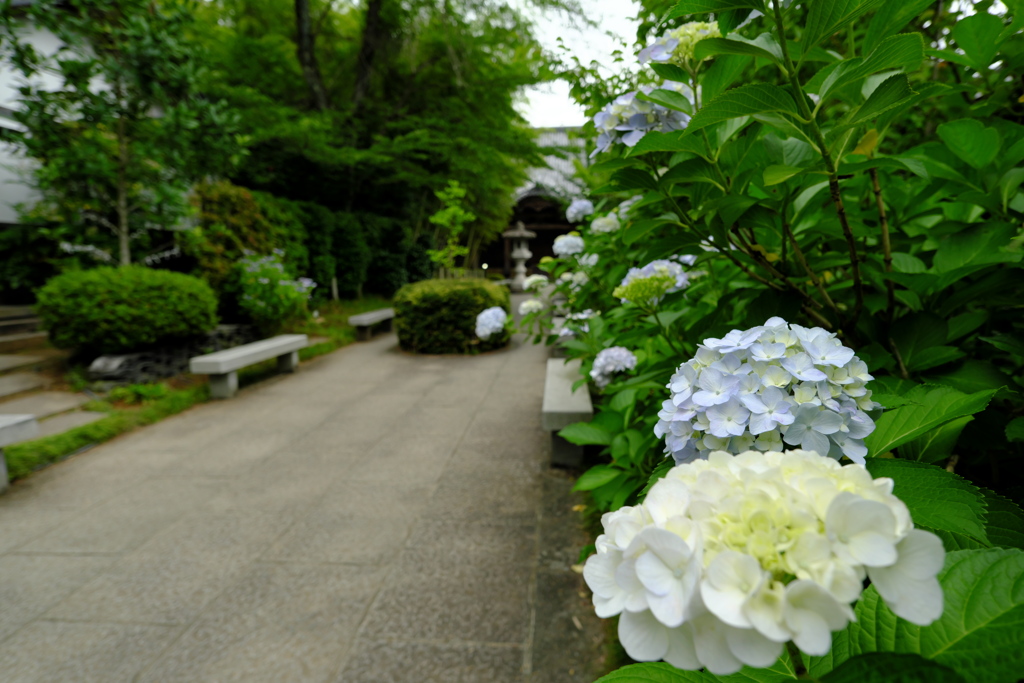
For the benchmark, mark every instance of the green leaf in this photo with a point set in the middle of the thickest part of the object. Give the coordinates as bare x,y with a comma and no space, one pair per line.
905,263
933,357
936,498
634,179
656,672
935,406
1004,521
596,476
586,433
978,36
669,99
773,175
890,18
764,46
623,400
970,140
1015,430
1006,342
937,444
894,52
913,334
723,73
639,229
756,98
675,141
708,6
891,93
659,472
980,634
693,171
670,72
891,668
828,16
1009,184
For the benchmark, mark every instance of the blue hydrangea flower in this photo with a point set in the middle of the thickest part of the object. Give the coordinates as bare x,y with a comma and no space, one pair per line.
490,321
567,245
767,386
627,119
578,210
609,362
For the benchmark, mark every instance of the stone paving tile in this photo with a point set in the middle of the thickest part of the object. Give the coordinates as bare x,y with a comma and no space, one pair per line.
327,536
280,623
235,452
64,652
404,662
31,584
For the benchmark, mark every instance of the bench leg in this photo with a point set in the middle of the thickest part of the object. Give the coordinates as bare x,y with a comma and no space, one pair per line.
224,386
364,332
565,454
288,362
4,480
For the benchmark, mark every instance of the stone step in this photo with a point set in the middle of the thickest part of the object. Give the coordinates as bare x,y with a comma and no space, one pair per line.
44,404
10,362
18,382
14,325
67,421
22,340
8,312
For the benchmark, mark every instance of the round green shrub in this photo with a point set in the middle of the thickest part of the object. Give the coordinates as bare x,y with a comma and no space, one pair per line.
439,316
120,310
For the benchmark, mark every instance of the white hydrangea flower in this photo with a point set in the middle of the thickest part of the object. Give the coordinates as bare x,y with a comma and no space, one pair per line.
490,321
533,283
531,306
567,245
729,558
587,260
578,210
609,223
767,385
625,206
610,361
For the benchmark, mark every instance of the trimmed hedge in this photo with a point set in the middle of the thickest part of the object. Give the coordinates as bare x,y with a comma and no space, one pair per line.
439,316
120,310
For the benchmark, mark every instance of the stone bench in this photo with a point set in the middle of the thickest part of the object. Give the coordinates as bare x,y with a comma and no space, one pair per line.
13,429
364,322
223,366
563,407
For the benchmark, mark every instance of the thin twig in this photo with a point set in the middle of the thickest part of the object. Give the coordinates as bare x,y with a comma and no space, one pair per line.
815,280
883,219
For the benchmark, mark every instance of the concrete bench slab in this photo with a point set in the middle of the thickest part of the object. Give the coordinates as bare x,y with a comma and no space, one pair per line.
562,407
223,366
364,322
13,429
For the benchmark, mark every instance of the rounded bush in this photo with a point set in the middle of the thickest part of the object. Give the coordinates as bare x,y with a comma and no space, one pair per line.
120,310
439,316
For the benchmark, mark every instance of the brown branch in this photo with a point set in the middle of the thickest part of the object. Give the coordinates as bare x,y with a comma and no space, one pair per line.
883,219
763,262
851,244
815,280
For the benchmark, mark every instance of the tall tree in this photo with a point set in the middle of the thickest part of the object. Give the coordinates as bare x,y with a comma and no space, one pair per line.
124,130
305,42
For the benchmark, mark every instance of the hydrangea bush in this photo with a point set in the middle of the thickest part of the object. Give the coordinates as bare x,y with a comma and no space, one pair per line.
268,295
833,170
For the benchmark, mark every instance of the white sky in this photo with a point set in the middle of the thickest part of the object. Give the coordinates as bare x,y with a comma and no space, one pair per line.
550,105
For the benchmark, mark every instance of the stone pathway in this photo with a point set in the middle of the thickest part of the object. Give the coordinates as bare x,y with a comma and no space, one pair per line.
375,518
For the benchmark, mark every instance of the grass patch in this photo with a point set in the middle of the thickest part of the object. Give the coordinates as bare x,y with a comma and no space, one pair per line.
25,458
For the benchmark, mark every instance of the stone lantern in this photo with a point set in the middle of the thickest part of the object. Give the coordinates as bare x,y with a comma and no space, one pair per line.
520,253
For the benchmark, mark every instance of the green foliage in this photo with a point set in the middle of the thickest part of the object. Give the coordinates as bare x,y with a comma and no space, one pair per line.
119,310
452,220
139,393
268,295
439,316
103,161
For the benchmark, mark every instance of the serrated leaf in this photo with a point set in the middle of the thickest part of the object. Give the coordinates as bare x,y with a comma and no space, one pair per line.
890,18
936,445
692,171
586,433
676,141
707,6
639,229
670,72
935,406
828,16
1004,520
936,498
891,668
980,634
893,52
933,357
892,92
723,73
670,99
773,175
978,36
656,672
746,100
595,477
953,541
659,472
634,179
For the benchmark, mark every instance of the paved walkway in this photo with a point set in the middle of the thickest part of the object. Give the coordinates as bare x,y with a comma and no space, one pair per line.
376,517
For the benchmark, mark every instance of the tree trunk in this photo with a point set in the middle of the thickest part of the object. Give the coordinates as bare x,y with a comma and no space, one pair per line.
305,43
373,31
123,234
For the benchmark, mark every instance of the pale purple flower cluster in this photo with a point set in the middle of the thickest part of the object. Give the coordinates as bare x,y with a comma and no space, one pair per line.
761,387
567,245
670,267
490,321
628,119
609,362
578,210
